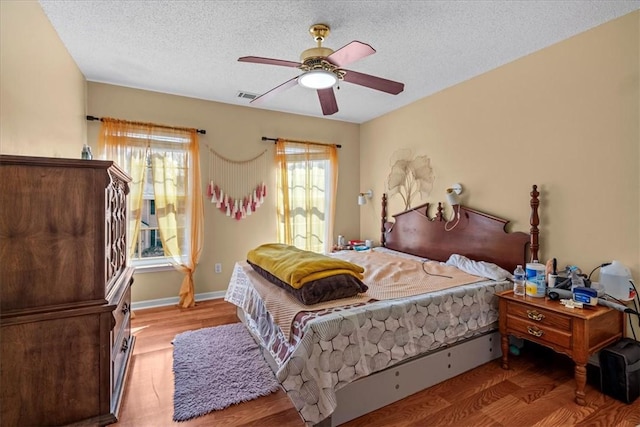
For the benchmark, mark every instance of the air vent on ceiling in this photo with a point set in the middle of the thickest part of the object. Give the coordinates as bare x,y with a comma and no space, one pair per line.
247,95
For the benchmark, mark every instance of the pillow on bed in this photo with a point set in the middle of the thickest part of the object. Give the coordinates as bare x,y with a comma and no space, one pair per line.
479,268
384,250
326,289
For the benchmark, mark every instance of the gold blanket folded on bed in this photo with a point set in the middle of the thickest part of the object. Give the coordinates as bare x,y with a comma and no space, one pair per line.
297,267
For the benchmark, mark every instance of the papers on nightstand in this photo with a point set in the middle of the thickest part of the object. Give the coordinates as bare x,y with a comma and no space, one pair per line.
569,303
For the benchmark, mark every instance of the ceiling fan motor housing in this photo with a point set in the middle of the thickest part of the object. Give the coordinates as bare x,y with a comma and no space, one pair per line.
315,52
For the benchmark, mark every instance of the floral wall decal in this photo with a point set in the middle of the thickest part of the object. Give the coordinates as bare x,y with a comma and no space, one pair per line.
409,176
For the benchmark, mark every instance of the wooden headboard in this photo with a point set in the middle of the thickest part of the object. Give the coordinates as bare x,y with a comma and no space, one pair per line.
476,235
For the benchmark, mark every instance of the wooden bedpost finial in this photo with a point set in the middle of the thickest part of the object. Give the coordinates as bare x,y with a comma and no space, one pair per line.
440,213
534,221
383,240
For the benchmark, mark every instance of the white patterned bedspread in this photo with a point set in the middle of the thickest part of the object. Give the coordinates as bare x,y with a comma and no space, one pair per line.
334,347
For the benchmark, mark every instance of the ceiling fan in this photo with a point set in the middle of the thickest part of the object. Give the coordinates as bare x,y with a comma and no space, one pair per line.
322,69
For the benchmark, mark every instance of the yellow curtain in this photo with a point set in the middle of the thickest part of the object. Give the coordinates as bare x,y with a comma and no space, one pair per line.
307,178
179,208
174,157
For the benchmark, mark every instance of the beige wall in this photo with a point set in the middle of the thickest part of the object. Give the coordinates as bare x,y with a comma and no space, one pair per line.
42,91
234,132
565,118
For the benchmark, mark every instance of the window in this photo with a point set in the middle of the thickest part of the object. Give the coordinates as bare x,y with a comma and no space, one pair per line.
165,197
307,178
148,252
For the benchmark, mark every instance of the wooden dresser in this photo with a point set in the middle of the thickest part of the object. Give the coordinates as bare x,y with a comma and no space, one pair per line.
577,332
65,339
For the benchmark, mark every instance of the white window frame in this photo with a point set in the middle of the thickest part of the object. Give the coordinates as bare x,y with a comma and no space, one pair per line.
158,263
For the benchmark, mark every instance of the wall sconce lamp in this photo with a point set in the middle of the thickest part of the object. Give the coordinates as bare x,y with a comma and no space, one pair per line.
452,194
362,197
452,197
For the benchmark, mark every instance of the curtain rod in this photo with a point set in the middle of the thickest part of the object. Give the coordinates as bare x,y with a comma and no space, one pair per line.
202,131
264,138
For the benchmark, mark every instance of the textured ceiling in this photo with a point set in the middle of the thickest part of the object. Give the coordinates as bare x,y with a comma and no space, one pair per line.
191,48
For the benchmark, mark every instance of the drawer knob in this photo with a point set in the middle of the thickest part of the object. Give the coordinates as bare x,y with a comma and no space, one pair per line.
534,331
125,308
534,315
125,345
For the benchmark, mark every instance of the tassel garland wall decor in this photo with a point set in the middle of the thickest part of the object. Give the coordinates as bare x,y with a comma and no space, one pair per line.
237,187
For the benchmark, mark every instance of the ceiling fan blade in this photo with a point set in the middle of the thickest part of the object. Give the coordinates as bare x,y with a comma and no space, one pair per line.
269,61
373,82
276,90
328,101
350,53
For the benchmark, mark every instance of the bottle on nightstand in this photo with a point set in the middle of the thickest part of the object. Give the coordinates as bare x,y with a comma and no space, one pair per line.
519,281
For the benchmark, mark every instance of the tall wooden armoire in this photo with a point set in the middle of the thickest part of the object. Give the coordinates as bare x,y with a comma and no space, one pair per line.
65,337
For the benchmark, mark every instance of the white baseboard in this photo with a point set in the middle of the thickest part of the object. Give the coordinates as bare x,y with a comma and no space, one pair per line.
163,302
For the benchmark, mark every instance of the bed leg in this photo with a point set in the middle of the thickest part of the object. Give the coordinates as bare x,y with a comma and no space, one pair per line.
505,351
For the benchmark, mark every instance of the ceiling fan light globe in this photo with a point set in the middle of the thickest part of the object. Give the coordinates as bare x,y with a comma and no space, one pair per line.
317,79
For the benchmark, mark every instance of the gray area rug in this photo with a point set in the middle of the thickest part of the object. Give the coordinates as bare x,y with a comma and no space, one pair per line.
215,368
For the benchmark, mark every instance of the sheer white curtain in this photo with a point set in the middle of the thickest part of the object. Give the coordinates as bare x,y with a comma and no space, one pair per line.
307,176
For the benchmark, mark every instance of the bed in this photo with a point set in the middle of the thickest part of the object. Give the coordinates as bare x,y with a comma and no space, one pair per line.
340,359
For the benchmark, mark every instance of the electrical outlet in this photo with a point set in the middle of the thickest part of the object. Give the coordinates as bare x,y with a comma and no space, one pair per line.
218,268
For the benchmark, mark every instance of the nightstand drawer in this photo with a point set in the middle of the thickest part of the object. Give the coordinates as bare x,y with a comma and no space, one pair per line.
540,316
538,332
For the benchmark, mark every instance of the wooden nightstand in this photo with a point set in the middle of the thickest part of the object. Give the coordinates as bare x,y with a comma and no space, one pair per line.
577,332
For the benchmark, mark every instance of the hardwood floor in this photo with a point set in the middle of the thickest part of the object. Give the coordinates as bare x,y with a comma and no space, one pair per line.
538,390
